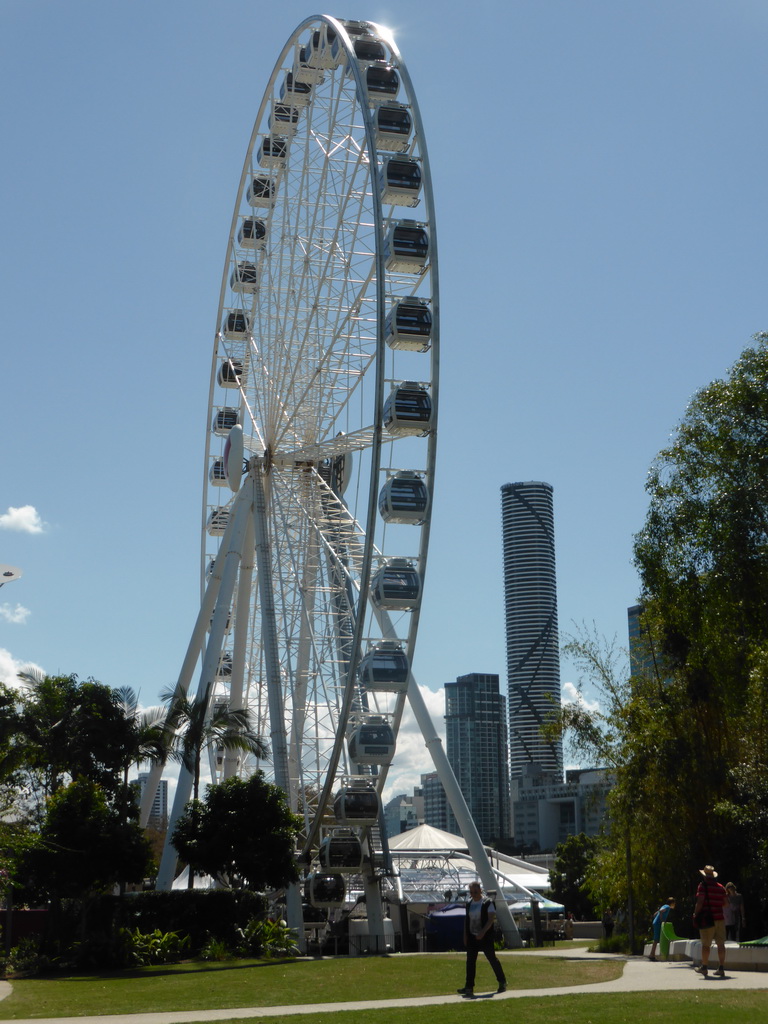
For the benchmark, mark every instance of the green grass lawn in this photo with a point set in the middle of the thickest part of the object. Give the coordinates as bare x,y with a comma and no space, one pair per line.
627,1008
197,986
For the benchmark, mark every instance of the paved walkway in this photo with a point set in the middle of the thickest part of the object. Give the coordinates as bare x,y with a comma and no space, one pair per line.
639,975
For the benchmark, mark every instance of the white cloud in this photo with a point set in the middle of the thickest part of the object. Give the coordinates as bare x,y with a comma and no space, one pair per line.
24,520
572,695
17,614
10,668
412,759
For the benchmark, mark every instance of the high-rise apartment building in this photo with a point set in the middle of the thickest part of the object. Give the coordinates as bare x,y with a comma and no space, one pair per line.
530,598
476,747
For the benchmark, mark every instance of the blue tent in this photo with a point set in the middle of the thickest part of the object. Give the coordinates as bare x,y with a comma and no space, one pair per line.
444,928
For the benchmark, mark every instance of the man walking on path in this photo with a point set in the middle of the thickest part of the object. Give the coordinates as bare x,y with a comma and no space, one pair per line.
478,937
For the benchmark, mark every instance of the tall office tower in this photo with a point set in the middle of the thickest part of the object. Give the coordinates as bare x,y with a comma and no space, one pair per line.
530,598
158,815
435,801
476,746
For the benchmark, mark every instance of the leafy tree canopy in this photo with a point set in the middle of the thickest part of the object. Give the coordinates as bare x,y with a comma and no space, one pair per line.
13,751
243,834
86,845
686,734
703,551
74,729
703,561
569,874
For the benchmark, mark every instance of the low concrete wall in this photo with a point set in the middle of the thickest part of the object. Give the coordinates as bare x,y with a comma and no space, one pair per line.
737,958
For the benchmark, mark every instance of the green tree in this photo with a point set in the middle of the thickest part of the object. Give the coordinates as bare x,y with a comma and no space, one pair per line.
568,876
703,551
243,834
686,735
86,845
13,754
622,734
703,561
74,730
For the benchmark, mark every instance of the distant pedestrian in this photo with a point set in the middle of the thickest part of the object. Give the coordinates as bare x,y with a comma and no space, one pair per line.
478,938
661,915
733,911
608,923
708,917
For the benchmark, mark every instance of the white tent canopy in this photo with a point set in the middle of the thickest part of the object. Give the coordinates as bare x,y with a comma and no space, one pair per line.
440,862
427,837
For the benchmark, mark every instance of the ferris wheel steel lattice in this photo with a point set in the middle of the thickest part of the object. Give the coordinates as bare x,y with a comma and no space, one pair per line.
320,444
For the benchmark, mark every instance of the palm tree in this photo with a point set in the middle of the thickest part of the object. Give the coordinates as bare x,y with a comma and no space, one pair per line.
188,720
151,741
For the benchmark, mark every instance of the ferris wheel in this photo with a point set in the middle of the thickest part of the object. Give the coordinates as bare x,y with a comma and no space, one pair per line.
322,425
320,456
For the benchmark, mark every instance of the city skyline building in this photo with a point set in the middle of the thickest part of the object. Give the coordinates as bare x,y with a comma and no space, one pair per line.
404,812
158,815
548,809
476,747
435,801
530,605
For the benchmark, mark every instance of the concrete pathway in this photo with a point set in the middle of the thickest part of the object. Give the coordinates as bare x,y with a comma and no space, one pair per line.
639,975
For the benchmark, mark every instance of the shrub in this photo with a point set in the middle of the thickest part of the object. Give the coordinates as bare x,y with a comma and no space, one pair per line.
216,950
24,958
267,938
127,948
202,915
199,914
145,949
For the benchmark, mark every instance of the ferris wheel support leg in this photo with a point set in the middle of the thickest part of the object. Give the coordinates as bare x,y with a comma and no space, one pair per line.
461,812
302,671
236,686
223,601
376,936
195,646
272,668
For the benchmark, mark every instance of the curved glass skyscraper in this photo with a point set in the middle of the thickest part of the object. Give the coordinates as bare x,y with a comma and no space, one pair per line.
530,598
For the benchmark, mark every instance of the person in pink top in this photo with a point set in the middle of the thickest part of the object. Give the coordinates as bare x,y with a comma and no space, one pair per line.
711,897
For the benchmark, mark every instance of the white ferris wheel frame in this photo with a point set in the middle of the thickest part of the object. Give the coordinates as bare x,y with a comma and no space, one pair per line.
288,559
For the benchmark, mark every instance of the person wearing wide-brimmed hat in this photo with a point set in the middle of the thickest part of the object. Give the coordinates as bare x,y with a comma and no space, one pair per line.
711,897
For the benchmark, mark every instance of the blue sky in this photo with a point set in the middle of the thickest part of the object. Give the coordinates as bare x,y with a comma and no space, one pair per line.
599,176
